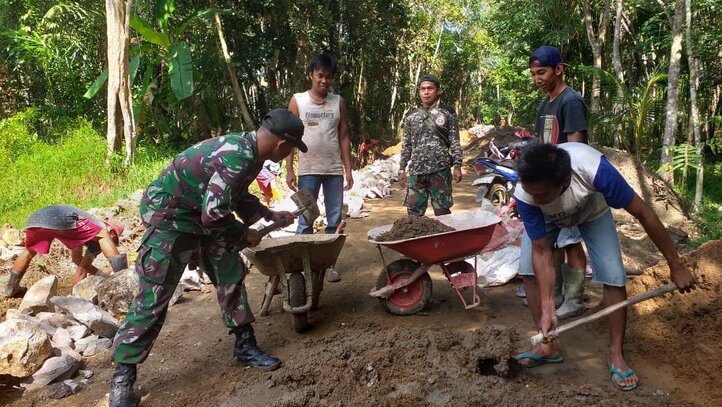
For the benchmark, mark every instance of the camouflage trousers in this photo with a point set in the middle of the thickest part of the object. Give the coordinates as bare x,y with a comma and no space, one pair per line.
162,257
436,186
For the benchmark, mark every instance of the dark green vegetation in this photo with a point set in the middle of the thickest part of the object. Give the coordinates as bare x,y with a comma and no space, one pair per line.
53,51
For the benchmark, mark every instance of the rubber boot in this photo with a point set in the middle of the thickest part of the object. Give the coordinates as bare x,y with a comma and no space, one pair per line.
121,386
573,304
558,286
119,262
13,287
247,353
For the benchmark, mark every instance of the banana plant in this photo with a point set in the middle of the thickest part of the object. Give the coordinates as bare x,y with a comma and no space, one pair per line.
160,42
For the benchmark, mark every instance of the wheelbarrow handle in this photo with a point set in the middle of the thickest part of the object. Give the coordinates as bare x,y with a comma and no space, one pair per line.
275,225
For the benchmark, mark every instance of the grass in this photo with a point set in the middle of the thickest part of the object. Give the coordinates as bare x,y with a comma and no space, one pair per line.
710,211
66,169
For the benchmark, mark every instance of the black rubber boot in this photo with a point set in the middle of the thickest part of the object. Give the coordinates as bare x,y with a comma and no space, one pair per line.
119,262
247,353
121,386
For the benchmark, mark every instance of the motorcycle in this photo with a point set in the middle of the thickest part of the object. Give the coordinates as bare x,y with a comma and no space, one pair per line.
498,174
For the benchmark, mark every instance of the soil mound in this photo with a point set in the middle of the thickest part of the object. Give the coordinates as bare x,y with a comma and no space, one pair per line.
366,365
682,330
413,226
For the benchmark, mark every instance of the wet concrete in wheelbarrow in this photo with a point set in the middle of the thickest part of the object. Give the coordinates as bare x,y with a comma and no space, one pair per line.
413,226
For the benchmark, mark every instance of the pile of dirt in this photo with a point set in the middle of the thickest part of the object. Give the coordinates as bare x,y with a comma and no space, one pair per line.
365,365
682,330
413,226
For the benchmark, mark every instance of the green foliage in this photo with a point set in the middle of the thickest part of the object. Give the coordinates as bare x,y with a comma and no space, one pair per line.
180,70
70,171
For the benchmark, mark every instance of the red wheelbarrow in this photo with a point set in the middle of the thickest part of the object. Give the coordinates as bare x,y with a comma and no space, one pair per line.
404,286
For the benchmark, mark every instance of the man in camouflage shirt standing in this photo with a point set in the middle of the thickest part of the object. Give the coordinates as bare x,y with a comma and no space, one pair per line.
190,208
429,133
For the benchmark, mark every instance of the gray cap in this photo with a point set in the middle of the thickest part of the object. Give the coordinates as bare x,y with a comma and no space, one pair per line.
430,78
286,125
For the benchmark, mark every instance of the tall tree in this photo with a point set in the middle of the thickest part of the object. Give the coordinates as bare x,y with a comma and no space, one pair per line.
617,59
596,41
670,122
120,99
694,112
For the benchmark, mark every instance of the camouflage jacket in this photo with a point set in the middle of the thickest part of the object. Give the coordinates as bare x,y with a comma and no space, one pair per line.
423,145
202,188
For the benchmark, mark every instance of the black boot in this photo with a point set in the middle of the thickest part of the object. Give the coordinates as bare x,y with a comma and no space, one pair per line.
119,262
121,387
247,352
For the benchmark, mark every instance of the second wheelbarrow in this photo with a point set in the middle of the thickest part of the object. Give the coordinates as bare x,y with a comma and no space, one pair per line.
298,264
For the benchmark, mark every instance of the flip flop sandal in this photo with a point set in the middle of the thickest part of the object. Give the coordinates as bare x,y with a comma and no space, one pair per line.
622,376
539,360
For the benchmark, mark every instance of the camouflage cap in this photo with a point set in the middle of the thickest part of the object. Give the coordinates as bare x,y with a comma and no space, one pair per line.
286,125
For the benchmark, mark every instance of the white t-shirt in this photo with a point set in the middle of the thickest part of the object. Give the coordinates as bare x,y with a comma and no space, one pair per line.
595,186
320,134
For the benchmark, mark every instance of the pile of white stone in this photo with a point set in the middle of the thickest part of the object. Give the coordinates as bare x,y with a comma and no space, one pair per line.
47,337
481,130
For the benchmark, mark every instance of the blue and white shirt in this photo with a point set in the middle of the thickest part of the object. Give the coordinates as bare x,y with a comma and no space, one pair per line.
595,186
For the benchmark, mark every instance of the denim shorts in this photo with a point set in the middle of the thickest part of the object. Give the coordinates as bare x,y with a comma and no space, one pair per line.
600,238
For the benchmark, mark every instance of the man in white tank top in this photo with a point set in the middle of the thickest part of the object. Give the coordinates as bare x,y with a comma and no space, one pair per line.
328,159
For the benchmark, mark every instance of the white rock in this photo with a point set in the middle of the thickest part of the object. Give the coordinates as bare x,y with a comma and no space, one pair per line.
89,314
82,344
78,332
96,346
73,386
11,237
55,368
116,293
177,294
191,279
15,314
67,351
87,288
24,346
36,299
87,373
56,319
62,339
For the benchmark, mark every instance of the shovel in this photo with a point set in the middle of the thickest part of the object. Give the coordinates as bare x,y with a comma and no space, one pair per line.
656,292
307,207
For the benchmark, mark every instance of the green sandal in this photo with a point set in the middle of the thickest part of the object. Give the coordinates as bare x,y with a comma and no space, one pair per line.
622,376
539,360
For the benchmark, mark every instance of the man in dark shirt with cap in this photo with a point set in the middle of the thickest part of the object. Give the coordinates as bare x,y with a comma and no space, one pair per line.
430,133
192,207
562,117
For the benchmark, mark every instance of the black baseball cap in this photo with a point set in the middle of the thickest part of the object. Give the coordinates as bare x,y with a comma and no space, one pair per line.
286,125
430,78
546,56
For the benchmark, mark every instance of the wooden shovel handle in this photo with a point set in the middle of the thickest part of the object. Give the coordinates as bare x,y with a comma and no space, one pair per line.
273,226
655,292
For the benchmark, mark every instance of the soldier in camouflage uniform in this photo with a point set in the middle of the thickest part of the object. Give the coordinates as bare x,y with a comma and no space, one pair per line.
190,208
429,133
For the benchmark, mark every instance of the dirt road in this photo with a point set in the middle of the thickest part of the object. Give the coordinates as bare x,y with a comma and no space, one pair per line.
356,354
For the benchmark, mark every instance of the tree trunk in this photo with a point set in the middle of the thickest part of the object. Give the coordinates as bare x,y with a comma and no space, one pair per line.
694,112
618,69
120,99
247,120
597,43
670,122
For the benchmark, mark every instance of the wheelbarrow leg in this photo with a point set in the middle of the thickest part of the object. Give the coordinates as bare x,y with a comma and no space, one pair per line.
271,287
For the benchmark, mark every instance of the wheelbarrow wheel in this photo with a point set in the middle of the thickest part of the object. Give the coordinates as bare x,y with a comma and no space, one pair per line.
410,299
297,298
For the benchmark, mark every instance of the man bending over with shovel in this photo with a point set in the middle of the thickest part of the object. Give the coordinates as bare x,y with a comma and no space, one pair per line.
572,184
191,207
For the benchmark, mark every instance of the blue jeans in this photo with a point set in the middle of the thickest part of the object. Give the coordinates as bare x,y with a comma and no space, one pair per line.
332,199
600,237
